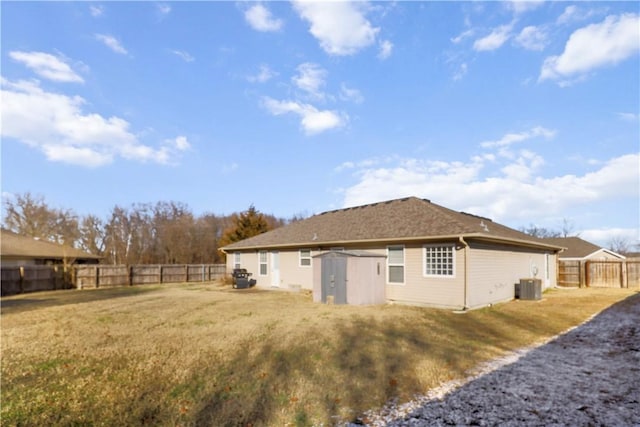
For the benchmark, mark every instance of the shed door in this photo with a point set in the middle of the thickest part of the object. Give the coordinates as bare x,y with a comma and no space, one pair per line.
334,279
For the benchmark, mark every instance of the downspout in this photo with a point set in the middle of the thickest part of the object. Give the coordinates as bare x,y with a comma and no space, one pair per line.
466,272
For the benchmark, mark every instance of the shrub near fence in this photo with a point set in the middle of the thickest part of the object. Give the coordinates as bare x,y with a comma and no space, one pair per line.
98,276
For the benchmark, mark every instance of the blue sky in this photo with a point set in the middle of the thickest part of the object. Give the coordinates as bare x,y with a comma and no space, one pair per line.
527,113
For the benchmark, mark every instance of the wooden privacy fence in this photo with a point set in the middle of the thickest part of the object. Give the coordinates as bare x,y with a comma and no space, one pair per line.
600,274
32,278
99,276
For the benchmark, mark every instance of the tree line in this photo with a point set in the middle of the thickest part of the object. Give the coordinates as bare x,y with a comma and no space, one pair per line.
168,232
143,233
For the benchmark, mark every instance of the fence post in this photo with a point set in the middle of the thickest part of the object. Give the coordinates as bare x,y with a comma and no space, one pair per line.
186,273
97,277
21,279
160,273
624,281
586,274
131,275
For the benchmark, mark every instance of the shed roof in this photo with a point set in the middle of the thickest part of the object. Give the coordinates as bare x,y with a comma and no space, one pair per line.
577,247
398,220
14,245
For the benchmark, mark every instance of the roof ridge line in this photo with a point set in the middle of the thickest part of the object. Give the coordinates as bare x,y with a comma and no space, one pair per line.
367,205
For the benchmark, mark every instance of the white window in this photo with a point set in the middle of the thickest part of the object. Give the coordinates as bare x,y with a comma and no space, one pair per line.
262,257
395,264
236,260
440,260
305,257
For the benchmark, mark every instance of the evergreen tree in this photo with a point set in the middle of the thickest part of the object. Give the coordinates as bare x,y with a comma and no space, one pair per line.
246,224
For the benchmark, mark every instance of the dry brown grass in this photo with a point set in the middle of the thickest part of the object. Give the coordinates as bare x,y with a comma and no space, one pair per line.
205,355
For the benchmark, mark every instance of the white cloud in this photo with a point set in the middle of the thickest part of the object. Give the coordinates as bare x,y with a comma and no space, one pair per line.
495,39
349,94
515,193
607,43
460,73
181,143
261,19
340,27
56,125
512,138
463,35
604,236
96,10
47,66
312,120
523,6
629,117
264,75
184,55
568,15
112,43
573,13
163,9
532,38
310,78
386,47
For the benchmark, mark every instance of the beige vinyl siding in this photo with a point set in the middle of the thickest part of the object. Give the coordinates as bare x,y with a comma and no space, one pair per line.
494,271
292,275
445,292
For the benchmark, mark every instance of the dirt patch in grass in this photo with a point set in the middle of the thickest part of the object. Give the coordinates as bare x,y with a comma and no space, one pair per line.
205,355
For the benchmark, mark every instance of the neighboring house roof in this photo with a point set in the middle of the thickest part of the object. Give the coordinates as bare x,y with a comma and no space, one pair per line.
15,246
578,248
399,220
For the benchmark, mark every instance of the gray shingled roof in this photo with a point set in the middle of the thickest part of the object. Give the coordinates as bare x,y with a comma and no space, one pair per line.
14,245
397,220
575,247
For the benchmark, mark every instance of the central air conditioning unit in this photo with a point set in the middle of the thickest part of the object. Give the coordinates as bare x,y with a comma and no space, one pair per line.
529,289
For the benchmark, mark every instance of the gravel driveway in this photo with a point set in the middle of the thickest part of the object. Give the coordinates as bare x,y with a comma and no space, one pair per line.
589,376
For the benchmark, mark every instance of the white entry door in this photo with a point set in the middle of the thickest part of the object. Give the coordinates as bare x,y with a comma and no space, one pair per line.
275,268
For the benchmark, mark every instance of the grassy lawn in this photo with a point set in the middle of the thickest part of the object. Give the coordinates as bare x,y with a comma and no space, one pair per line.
205,355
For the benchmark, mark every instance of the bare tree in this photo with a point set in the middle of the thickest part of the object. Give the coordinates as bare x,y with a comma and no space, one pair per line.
92,235
174,232
568,228
539,232
30,215
167,232
129,235
619,245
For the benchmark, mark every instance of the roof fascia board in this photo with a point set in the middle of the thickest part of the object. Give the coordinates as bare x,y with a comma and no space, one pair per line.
473,236
617,255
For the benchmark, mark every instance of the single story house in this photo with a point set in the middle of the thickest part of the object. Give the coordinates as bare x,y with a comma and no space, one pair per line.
16,250
428,254
577,249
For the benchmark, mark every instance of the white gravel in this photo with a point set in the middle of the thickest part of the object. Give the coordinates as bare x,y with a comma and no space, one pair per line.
588,376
